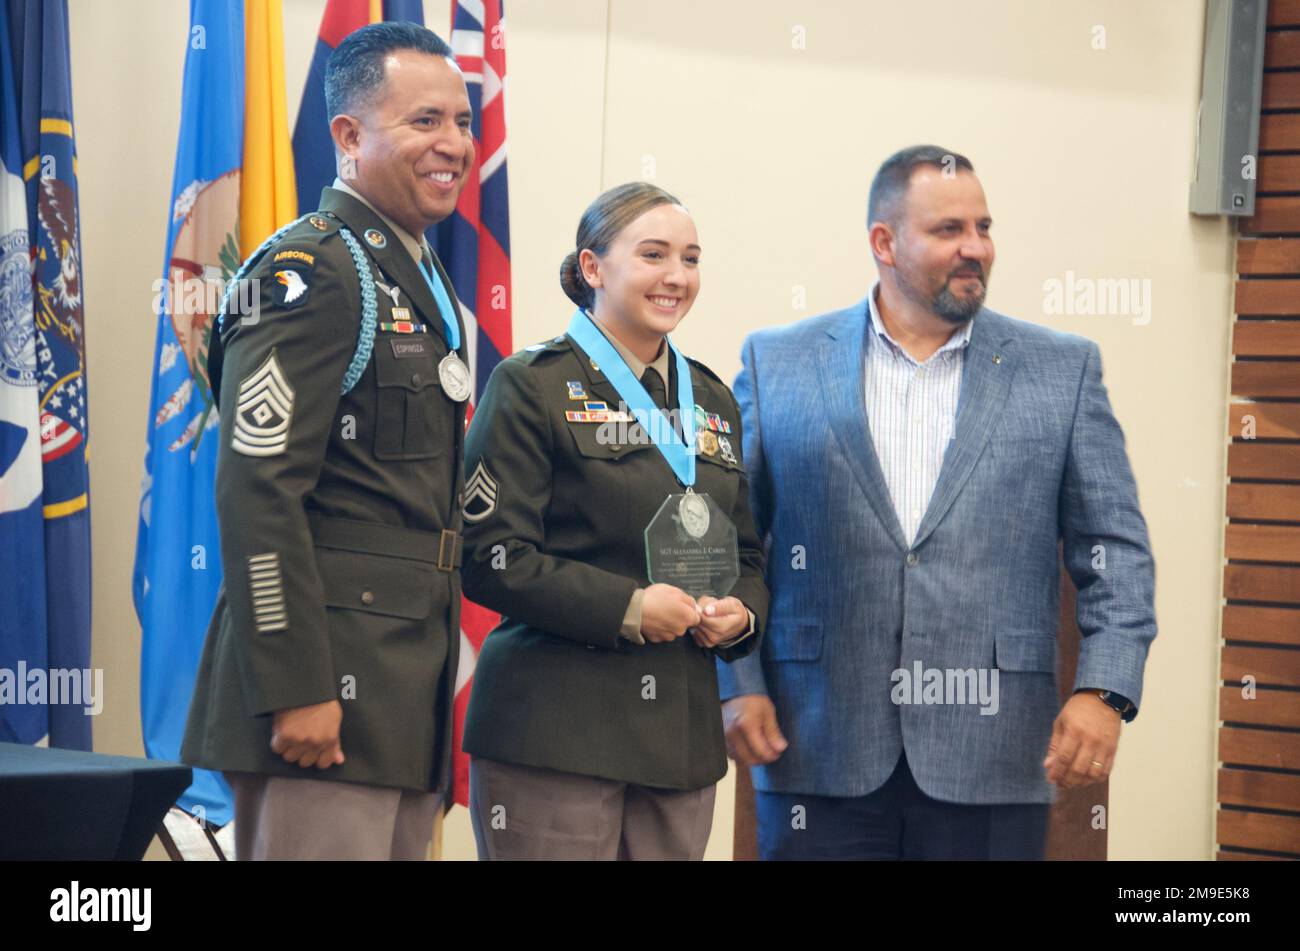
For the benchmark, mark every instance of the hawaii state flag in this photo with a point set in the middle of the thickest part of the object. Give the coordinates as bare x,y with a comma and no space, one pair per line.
232,186
474,247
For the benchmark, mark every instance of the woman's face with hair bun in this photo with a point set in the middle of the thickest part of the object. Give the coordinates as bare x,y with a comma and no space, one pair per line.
647,280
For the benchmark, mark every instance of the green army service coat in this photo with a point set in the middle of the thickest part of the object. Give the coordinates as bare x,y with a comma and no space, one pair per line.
337,513
555,517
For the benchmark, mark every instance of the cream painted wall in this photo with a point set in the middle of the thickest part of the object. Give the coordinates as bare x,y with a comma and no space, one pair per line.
768,118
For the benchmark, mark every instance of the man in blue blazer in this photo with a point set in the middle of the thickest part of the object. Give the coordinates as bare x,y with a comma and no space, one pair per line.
915,460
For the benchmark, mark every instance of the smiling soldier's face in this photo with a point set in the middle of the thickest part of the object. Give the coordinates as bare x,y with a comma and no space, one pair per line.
411,148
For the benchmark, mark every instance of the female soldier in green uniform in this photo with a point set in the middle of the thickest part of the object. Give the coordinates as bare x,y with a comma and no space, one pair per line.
594,721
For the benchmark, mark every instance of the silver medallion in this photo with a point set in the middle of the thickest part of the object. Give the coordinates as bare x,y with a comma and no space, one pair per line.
454,376
694,513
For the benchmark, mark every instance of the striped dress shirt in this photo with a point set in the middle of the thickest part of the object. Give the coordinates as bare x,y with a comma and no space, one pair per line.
912,410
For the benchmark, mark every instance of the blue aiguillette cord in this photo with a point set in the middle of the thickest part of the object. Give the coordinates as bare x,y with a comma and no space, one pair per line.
444,308
675,450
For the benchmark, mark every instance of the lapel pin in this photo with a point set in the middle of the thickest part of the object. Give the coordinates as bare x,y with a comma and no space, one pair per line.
997,358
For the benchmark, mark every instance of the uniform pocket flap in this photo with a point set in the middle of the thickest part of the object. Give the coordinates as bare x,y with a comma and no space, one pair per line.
414,370
1026,650
609,440
397,587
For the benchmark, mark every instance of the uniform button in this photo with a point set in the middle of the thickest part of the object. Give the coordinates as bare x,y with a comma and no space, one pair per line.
913,559
416,379
367,597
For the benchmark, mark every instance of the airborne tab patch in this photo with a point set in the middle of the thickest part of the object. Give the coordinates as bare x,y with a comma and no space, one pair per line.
292,254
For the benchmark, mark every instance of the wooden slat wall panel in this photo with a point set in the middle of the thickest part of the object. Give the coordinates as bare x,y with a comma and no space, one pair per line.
1256,460
1261,625
1269,421
1260,807
1273,298
1260,583
1282,13
1271,748
1281,91
1280,131
1259,830
1273,215
1269,379
1269,255
1264,708
1281,49
1276,666
1253,787
1263,543
1266,338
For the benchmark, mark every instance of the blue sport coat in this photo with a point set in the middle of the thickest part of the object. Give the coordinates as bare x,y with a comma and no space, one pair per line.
861,624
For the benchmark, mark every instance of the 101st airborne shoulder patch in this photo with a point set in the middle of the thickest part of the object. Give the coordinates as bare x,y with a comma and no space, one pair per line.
480,494
292,277
264,411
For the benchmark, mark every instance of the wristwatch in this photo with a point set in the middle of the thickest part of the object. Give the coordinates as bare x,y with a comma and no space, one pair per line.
1122,705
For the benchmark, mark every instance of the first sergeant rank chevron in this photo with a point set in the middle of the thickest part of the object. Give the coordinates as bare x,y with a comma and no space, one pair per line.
264,412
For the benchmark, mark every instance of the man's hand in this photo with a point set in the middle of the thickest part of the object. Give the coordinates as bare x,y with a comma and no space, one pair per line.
753,737
308,736
666,613
1086,733
720,621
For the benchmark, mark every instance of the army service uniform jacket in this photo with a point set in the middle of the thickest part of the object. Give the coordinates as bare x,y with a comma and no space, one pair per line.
554,525
338,514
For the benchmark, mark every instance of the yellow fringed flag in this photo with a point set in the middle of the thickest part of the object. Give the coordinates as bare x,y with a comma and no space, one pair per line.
267,196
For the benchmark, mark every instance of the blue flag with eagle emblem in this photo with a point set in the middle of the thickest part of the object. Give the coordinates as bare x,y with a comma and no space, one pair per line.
22,525
56,566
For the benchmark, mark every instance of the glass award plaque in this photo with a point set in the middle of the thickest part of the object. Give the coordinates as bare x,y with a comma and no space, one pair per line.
691,544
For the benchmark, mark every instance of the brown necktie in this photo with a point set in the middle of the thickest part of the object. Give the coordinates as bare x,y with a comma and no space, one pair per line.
654,385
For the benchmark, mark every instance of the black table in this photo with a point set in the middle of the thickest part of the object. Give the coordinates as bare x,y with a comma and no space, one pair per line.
65,804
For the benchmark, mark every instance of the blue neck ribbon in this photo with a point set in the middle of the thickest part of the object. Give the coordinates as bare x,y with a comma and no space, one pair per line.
679,452
444,308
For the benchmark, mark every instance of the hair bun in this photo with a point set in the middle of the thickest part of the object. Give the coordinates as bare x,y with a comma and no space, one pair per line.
573,283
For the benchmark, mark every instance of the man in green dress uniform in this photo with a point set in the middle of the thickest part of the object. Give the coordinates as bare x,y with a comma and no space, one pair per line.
326,684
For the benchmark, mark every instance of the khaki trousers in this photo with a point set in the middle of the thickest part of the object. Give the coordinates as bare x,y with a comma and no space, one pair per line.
279,817
523,812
